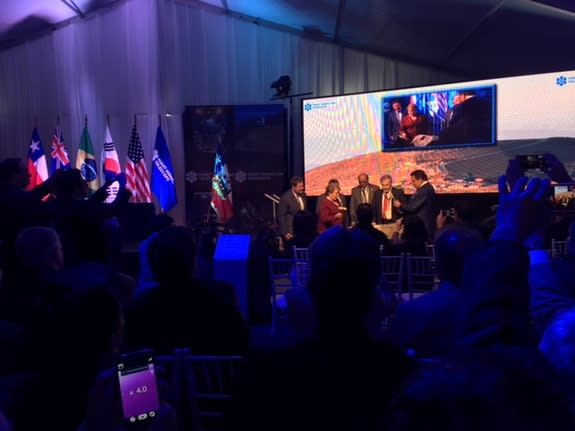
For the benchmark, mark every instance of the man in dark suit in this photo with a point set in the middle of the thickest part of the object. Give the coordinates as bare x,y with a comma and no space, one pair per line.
422,202
385,213
453,112
393,124
363,193
291,202
427,324
472,122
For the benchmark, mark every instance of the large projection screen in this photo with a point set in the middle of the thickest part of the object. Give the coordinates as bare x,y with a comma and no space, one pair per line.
491,122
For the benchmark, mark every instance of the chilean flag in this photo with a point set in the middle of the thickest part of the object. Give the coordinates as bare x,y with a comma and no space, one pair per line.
221,202
37,166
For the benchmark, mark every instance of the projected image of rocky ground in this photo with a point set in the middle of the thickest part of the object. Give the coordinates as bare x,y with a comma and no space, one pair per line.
462,170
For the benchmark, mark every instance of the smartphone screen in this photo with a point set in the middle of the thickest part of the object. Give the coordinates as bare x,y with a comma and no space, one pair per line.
564,196
138,387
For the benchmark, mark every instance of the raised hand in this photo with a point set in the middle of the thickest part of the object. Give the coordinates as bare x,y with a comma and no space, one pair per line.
522,210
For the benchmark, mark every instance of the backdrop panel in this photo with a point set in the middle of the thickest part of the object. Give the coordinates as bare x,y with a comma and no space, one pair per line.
253,139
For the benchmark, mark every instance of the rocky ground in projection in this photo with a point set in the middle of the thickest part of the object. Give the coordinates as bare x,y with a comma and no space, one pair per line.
458,170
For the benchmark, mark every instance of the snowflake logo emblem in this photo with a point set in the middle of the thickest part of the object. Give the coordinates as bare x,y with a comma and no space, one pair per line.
191,177
561,81
240,176
307,106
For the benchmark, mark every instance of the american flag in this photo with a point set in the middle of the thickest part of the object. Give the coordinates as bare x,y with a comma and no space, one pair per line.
136,173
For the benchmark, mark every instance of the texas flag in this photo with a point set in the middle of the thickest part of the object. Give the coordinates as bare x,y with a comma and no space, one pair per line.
37,166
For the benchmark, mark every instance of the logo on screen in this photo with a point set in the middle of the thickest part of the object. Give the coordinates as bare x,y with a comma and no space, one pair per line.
307,107
561,81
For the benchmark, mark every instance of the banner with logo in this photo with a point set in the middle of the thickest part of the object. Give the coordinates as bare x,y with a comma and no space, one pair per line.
252,139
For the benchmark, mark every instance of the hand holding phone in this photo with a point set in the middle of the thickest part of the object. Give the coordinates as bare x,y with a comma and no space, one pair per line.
138,387
104,410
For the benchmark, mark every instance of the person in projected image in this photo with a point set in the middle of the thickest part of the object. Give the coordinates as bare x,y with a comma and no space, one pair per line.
393,124
413,124
453,112
471,121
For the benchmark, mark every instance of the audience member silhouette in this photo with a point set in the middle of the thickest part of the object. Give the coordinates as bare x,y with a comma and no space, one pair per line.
342,378
182,311
426,325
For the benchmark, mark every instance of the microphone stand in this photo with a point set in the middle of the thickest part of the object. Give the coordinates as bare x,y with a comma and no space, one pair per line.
275,200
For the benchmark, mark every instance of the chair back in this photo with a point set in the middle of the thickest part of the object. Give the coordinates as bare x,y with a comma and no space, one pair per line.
421,275
209,383
281,278
557,248
301,266
393,269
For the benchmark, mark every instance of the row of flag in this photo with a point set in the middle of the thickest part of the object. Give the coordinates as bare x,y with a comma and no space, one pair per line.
137,179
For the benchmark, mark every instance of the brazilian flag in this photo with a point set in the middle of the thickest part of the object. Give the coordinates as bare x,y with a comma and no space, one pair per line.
86,161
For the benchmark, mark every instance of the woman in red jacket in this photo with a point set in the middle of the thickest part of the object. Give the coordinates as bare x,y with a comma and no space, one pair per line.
330,210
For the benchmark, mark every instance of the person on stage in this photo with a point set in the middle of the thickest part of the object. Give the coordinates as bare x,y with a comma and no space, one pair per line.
331,211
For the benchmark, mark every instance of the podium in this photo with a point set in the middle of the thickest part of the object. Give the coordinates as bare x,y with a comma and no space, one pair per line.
231,265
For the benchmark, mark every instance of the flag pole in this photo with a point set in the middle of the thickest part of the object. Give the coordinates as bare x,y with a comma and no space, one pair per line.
135,121
35,121
58,120
86,120
107,119
159,120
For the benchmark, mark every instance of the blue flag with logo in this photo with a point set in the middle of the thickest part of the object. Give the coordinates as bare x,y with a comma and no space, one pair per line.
163,185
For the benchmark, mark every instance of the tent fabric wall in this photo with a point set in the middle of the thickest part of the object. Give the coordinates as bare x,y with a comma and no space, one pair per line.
148,57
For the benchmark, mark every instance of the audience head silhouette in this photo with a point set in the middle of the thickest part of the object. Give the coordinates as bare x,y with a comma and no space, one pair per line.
364,214
172,255
13,172
339,260
39,248
452,245
70,185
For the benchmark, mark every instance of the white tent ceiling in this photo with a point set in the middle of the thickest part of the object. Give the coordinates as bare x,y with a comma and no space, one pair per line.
474,38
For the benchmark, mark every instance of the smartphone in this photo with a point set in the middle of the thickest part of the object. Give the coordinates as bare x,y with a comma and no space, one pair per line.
138,387
564,196
532,161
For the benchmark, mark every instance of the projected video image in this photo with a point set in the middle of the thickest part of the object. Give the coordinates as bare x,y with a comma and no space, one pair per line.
439,119
465,136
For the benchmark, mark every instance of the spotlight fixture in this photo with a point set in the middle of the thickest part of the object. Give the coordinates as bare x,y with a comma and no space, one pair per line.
282,86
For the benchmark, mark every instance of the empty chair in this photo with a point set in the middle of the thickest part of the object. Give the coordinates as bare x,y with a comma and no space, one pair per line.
421,275
209,382
557,247
280,276
393,269
301,269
